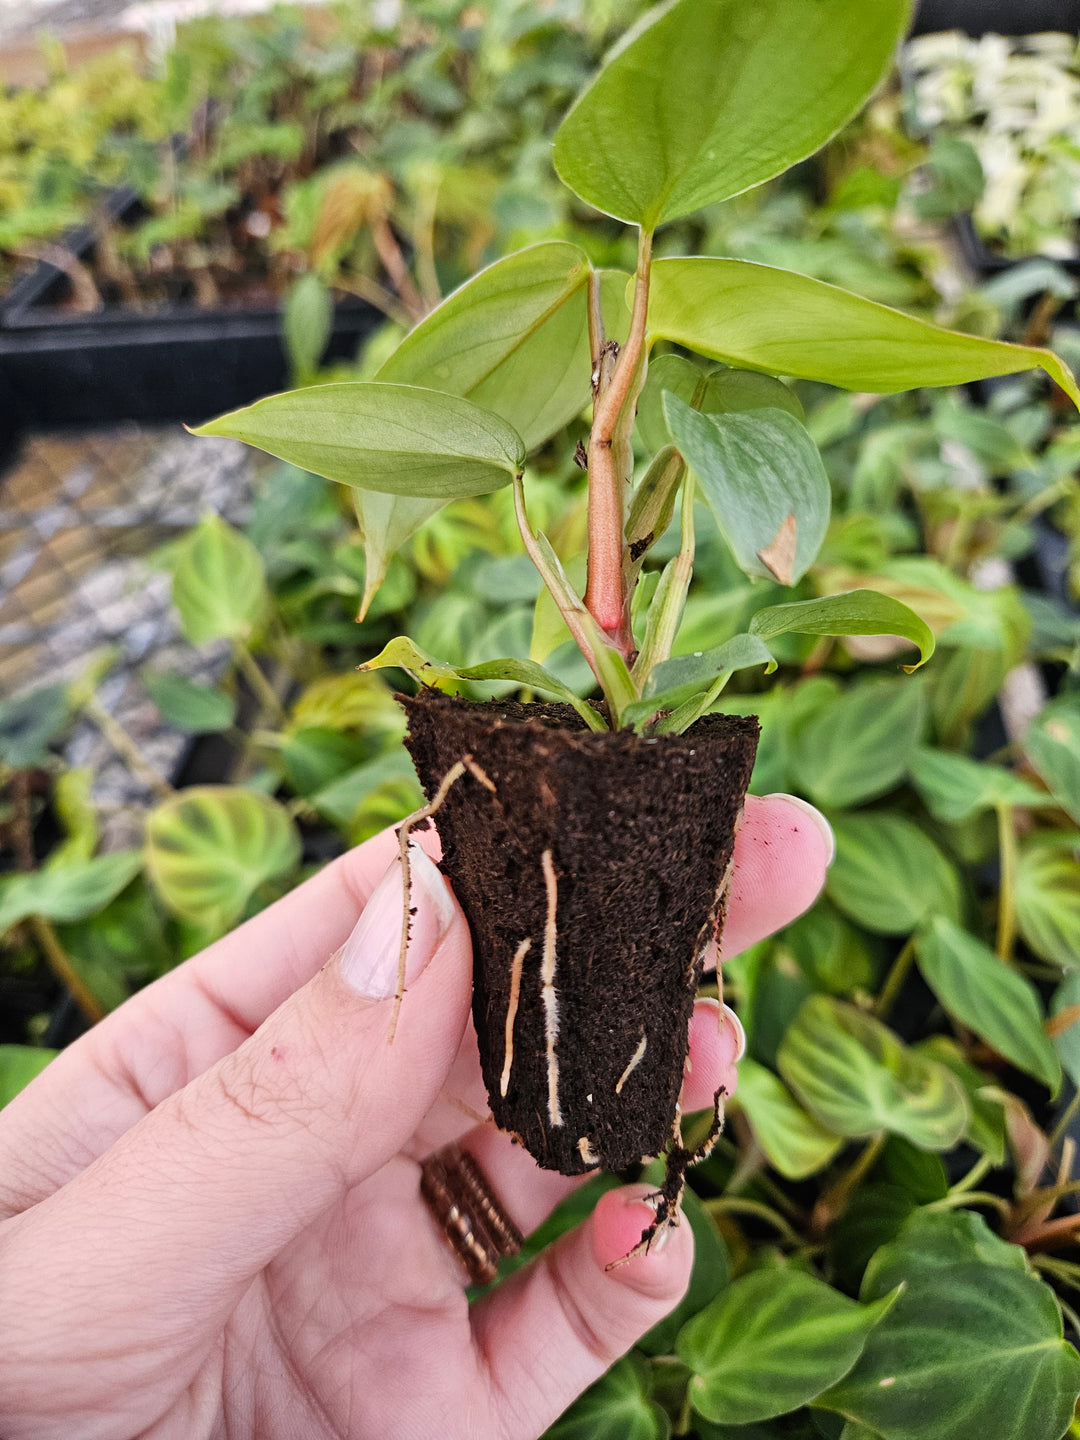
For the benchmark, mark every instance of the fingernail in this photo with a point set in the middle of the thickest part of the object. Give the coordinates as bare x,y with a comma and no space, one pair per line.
815,815
730,1018
369,959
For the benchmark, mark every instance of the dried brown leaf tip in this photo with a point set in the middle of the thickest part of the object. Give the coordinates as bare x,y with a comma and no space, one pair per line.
778,556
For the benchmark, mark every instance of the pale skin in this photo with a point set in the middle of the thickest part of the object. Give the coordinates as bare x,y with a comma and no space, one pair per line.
210,1222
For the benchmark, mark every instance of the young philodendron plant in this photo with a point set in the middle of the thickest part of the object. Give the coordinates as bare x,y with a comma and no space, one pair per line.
590,842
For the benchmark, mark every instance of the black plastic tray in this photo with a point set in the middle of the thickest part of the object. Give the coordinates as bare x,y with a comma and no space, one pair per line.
999,17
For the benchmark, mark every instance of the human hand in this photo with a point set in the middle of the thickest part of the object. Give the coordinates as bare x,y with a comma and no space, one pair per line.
210,1220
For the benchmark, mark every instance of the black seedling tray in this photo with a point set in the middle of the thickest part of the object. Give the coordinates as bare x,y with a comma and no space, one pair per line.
184,362
998,17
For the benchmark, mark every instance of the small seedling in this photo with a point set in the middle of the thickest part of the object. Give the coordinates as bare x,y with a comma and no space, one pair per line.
591,843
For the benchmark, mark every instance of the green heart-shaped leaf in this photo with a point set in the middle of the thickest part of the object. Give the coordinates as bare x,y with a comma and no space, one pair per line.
772,1341
210,848
888,874
793,1141
219,586
860,745
973,1347
716,391
764,481
1048,899
1052,744
977,988
858,1078
689,109
68,891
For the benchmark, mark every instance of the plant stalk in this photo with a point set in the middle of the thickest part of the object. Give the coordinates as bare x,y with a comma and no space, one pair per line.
263,691
126,748
60,964
607,596
895,979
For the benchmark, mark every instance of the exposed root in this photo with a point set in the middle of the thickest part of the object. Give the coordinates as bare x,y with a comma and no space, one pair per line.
511,1013
666,1201
587,1153
635,1061
466,765
548,993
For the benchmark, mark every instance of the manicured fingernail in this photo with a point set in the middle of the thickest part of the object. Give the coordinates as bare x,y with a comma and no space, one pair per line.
816,816
369,959
730,1018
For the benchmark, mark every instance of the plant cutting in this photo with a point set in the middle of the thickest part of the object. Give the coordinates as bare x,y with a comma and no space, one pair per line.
590,839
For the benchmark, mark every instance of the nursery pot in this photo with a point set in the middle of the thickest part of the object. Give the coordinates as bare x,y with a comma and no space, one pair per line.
592,868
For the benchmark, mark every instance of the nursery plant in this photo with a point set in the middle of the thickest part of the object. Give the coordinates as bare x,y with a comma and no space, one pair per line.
590,842
902,1072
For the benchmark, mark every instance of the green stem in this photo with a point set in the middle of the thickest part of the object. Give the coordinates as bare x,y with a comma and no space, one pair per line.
835,1198
974,1175
666,610
1061,1129
60,963
736,1205
1007,857
894,981
260,686
126,747
972,1197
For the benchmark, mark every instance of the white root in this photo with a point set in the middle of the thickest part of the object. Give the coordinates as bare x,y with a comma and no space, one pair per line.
449,780
549,994
635,1061
511,1013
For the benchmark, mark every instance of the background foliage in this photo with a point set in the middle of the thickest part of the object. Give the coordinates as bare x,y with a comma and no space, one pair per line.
885,1236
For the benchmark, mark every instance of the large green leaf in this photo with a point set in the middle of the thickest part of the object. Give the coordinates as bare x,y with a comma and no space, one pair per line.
888,874
688,109
954,787
514,339
772,1341
1052,744
858,1078
788,324
860,745
977,988
973,1347
765,483
1048,899
400,439
29,723
219,586
855,612
792,1141
403,654
210,848
719,390
68,891
197,709
18,1066
617,1407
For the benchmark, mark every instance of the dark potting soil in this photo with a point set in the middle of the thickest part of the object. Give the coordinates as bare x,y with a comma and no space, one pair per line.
593,879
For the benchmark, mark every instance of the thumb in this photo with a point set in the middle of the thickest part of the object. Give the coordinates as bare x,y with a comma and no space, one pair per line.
199,1196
